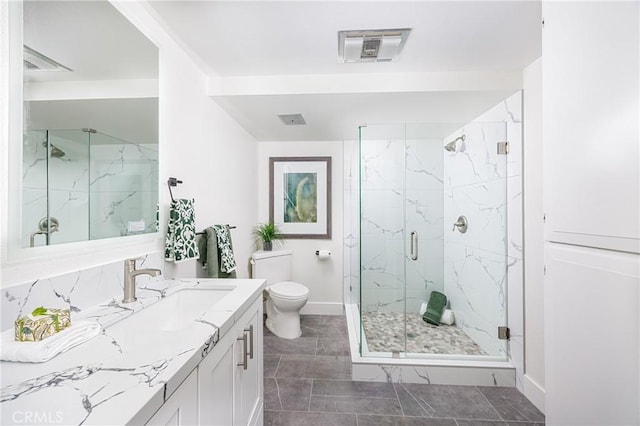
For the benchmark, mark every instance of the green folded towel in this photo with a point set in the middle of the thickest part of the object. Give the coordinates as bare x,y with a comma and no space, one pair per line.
435,307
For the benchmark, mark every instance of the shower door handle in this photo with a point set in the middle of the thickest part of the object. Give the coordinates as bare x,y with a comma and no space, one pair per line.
414,245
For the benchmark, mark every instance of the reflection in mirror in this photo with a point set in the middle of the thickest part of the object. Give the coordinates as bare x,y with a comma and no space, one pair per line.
90,143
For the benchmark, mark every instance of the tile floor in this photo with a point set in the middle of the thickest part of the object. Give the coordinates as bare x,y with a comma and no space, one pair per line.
307,382
385,332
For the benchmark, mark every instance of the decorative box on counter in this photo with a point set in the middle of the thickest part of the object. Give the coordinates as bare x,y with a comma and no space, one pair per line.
41,324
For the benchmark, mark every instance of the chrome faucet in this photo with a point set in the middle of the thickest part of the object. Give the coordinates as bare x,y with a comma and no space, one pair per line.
130,274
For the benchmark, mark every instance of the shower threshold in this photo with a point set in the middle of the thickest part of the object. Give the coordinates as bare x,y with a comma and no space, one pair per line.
475,370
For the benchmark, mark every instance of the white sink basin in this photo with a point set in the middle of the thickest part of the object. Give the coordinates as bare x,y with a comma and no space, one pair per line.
176,311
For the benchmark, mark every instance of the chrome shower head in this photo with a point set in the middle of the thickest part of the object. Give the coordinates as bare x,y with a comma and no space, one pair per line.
55,151
456,145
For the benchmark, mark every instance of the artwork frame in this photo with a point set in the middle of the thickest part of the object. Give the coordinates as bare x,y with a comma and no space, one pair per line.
300,196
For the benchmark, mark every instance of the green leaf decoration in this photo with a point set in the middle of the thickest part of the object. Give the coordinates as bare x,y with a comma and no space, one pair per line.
39,311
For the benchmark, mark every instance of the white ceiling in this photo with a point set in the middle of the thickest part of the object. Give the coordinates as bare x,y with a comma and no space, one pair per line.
301,37
90,37
245,39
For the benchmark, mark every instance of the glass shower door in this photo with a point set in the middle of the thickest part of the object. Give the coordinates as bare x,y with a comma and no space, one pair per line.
424,206
475,261
382,239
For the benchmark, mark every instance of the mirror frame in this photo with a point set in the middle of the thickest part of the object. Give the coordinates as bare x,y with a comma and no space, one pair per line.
17,264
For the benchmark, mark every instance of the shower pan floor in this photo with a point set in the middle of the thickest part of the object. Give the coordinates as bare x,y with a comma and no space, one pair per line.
384,332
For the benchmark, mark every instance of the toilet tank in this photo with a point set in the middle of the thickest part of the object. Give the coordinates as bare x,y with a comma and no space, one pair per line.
274,266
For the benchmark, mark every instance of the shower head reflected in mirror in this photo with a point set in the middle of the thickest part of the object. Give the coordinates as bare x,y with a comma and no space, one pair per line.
55,151
456,145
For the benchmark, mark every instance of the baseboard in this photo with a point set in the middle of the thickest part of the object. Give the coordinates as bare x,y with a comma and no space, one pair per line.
534,392
322,308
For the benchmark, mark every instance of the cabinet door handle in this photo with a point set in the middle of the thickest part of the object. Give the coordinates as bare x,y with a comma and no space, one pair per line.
250,330
244,351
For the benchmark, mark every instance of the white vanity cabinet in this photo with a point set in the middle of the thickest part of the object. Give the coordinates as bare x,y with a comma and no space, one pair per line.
248,376
181,408
230,377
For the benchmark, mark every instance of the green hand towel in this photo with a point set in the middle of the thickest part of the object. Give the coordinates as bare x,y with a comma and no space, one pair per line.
210,256
225,249
181,244
435,307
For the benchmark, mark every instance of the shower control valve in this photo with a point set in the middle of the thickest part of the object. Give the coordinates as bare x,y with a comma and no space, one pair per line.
461,224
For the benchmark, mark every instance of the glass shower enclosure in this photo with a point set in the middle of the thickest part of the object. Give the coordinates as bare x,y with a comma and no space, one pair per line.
81,184
432,217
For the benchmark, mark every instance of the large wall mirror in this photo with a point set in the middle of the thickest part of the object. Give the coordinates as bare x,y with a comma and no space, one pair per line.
90,139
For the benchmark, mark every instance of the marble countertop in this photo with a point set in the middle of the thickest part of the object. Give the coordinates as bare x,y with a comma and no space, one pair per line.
117,377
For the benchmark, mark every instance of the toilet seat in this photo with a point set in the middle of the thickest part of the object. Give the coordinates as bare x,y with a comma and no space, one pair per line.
288,290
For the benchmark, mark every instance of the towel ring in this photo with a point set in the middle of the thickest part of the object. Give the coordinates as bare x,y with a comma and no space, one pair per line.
172,182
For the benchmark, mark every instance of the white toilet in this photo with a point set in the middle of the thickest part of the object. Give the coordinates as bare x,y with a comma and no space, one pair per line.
284,298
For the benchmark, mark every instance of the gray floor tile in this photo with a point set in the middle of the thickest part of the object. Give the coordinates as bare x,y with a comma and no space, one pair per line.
511,404
270,364
410,405
299,346
295,418
314,367
356,389
324,326
287,394
370,420
460,402
271,397
333,346
314,372
347,404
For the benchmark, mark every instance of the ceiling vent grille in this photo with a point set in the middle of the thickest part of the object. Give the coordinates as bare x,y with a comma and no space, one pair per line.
292,119
36,61
371,45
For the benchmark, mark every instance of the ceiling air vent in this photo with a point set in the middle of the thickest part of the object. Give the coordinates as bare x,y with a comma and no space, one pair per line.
371,45
36,61
292,119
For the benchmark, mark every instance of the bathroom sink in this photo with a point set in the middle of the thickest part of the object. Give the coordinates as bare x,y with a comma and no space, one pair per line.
176,311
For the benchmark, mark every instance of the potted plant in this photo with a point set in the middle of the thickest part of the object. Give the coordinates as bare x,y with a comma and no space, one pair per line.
267,232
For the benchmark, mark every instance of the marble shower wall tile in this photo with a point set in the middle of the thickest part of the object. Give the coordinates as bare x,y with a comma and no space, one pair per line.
70,208
34,201
382,164
123,167
432,375
424,166
478,161
484,206
75,291
476,285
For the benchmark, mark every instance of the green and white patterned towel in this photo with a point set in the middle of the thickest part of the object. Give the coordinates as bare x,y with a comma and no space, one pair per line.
181,232
227,260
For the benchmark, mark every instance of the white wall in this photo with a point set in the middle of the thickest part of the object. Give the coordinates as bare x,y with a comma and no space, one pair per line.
212,155
323,278
533,236
199,143
591,133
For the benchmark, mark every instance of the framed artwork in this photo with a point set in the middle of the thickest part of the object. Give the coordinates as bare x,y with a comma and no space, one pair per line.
300,196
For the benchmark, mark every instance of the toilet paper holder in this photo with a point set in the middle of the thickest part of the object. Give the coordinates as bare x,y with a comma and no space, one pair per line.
323,253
